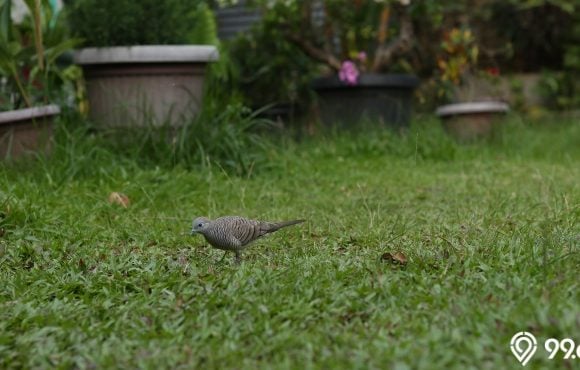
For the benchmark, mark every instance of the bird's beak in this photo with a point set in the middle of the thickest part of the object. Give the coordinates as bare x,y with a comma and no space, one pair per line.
193,232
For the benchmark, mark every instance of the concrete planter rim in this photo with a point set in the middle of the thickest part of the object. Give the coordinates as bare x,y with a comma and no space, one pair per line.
147,54
27,114
384,80
472,108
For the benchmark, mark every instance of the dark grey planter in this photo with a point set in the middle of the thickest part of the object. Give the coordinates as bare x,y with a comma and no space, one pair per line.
26,131
382,99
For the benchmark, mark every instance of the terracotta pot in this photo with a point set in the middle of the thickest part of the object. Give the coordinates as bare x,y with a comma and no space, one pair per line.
384,99
27,130
145,85
471,121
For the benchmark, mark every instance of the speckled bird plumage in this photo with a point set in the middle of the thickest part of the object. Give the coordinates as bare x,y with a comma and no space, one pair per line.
235,233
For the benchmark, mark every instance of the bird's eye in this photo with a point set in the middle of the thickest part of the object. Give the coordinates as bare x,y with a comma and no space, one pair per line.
199,225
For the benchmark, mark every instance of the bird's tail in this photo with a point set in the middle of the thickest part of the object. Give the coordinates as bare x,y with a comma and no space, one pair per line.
279,225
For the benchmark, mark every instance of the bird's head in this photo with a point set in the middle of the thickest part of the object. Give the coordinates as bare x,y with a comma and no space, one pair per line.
199,225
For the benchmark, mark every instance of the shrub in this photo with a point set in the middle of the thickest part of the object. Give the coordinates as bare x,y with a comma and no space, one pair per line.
143,22
270,69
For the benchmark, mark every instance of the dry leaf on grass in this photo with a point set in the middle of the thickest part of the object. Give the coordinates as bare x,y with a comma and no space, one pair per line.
120,199
397,258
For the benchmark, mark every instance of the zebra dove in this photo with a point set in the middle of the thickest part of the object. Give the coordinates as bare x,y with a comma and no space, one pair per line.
234,233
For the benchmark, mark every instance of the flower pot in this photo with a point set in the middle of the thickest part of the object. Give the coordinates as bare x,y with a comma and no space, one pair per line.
27,130
471,121
384,99
235,19
144,85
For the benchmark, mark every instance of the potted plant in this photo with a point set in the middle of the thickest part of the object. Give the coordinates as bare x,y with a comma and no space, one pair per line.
33,78
144,61
475,111
352,42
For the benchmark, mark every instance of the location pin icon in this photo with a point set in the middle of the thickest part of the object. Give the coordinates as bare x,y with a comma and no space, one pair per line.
523,346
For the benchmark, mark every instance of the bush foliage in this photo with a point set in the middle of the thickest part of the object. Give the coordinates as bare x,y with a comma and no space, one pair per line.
144,22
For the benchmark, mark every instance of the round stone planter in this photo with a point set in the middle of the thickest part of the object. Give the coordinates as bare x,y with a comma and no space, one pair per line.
144,85
384,99
471,121
25,131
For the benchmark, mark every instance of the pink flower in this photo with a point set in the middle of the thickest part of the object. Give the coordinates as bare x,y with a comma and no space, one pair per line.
348,73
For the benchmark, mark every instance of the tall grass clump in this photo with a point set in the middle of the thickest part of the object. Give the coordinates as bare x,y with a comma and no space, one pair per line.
230,140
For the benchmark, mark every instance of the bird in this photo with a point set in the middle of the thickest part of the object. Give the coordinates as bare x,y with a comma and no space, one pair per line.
235,233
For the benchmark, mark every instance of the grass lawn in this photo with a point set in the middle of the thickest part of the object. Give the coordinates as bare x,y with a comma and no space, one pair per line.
490,233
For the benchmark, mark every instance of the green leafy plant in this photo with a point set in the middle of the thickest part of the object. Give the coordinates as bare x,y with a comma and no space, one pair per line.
268,69
458,59
144,22
31,54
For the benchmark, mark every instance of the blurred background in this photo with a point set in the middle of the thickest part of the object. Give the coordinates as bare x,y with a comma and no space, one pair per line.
300,64
527,49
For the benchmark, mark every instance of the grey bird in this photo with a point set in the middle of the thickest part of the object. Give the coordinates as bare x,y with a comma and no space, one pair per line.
235,233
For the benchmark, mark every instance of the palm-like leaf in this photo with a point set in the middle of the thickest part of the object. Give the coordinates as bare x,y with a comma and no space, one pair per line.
31,70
